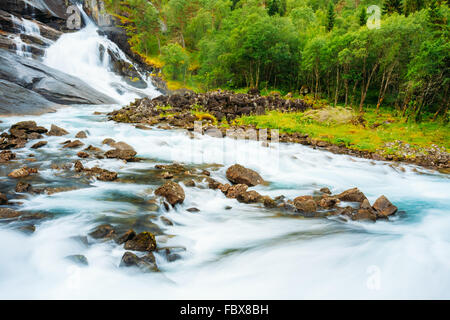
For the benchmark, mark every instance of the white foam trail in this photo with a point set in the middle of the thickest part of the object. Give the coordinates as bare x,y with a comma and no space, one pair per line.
245,252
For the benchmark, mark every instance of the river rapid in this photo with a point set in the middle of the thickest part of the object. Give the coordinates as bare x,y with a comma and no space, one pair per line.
247,251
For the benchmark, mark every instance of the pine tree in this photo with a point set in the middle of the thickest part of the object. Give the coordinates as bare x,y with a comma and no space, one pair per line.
391,6
331,16
273,7
363,17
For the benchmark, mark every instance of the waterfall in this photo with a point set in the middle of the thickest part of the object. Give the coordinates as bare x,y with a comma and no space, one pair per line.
25,27
87,55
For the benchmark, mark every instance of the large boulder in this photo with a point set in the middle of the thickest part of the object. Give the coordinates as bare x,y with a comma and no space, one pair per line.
172,191
352,195
238,174
384,207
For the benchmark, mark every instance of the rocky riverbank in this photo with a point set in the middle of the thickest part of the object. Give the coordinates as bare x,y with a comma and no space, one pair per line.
218,110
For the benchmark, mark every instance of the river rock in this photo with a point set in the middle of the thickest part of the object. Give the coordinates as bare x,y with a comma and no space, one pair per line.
6,156
81,135
3,199
22,172
7,213
74,144
121,151
305,204
233,192
172,191
325,190
57,131
103,231
23,187
145,264
144,241
384,207
238,174
249,197
129,235
39,144
328,202
83,154
352,195
78,259
27,127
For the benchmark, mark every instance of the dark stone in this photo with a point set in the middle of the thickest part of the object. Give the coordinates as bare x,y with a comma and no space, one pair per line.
238,174
103,231
144,241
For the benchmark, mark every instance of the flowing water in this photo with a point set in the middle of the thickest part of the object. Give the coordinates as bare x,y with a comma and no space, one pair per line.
246,252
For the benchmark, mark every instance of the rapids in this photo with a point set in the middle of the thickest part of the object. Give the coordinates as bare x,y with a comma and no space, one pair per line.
246,252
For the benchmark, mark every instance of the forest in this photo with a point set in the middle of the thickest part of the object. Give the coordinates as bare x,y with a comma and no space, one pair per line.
395,54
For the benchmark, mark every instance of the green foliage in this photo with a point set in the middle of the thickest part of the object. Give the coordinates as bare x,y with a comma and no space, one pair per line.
363,17
176,61
331,16
392,6
316,46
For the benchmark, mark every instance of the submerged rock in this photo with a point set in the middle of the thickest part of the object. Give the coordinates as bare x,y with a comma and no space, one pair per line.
129,235
6,156
3,199
22,172
78,259
145,264
144,241
23,187
103,231
172,191
39,144
238,174
81,135
7,213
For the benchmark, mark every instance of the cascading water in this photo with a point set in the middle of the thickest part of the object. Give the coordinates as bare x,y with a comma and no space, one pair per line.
246,252
25,27
86,55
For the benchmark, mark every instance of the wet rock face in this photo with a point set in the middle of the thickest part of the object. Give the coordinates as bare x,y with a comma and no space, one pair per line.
23,187
249,197
172,191
384,207
144,241
22,172
238,174
29,87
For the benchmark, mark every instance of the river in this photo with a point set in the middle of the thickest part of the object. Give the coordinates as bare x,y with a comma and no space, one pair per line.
244,252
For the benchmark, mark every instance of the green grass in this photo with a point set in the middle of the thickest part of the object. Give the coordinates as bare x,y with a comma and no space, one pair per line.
378,129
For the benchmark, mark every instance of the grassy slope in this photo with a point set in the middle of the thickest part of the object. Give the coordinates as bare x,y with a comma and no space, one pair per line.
369,137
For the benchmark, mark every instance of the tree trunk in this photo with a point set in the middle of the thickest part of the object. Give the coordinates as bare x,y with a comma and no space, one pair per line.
337,88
